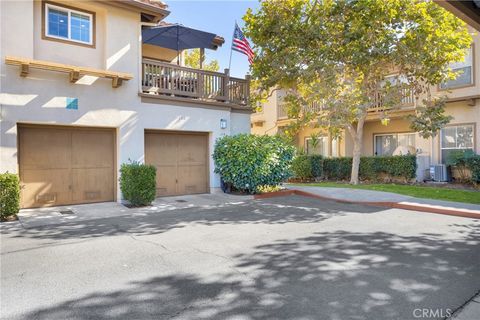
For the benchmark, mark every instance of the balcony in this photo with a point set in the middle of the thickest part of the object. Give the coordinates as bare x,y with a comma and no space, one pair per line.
282,113
407,101
177,82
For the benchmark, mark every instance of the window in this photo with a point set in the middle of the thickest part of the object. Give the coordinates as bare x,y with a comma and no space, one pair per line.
67,24
456,138
386,144
321,146
464,70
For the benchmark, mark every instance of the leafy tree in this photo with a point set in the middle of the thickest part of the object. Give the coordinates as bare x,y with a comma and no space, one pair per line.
192,60
336,53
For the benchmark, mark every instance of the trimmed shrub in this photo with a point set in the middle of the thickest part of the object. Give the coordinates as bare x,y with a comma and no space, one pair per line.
249,161
302,167
137,182
307,166
317,165
337,168
371,168
460,160
9,195
473,164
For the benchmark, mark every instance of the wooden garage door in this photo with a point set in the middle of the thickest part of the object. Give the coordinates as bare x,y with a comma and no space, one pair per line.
181,162
64,165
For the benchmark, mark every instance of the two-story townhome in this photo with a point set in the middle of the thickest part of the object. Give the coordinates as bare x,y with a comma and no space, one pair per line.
463,131
89,85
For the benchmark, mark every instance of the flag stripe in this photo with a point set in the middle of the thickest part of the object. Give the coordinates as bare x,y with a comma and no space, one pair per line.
241,44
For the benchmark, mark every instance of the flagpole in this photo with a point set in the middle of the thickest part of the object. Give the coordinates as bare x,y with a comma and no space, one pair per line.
231,48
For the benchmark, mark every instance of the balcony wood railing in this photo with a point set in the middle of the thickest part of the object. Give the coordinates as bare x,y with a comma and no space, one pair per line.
408,100
312,108
168,79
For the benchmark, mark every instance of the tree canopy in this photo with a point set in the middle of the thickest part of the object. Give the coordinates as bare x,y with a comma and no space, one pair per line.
337,54
192,60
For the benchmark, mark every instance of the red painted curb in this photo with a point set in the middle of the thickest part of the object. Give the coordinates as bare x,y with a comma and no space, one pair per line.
385,204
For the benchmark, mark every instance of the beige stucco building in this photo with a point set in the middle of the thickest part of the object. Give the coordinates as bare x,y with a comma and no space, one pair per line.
463,131
82,94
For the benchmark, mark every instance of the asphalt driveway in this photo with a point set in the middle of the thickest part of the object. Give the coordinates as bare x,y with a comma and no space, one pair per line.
280,258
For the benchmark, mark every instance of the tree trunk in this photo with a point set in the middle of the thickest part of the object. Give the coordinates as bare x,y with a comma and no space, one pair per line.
357,136
357,151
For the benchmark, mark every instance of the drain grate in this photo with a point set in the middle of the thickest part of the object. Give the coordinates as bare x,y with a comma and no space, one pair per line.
66,212
181,200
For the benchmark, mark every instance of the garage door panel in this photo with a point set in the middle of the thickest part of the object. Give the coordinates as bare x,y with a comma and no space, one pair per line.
191,179
160,149
45,148
45,187
92,185
66,165
192,149
181,162
92,149
166,180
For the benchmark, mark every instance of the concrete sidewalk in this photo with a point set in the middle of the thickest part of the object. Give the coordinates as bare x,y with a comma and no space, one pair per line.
57,215
392,200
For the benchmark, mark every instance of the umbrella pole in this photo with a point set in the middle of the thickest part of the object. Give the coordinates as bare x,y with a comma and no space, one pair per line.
178,51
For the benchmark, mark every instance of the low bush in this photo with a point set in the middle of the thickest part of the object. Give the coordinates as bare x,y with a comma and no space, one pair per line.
317,165
137,182
337,168
302,167
267,189
9,195
306,167
250,161
371,168
459,159
473,164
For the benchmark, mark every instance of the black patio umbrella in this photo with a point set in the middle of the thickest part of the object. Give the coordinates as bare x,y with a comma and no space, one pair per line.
178,37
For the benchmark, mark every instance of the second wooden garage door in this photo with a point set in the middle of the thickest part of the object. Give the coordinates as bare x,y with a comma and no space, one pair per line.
181,162
65,165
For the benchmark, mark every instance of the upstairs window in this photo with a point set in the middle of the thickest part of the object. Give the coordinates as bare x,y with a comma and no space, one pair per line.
64,23
464,71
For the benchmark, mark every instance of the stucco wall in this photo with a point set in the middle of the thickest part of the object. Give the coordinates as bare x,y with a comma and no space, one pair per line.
41,96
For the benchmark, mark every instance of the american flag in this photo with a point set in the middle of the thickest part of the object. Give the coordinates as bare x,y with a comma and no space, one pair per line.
240,44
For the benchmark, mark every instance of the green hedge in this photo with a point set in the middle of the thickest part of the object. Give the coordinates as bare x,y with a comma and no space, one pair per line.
137,182
337,168
473,164
307,166
371,168
249,161
9,195
302,167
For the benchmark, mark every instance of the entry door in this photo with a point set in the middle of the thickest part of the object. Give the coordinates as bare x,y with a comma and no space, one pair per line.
65,165
181,161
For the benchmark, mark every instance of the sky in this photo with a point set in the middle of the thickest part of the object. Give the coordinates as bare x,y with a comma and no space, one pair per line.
216,17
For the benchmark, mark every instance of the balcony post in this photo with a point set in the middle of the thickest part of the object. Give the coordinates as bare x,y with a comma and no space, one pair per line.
226,80
247,89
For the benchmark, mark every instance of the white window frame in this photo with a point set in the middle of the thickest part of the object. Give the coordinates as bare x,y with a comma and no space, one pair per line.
445,86
69,12
391,134
456,142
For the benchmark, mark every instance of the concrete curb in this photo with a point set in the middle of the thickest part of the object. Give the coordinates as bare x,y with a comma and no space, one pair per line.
466,213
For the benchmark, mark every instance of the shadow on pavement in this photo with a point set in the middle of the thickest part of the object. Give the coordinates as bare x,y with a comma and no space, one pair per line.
272,211
334,275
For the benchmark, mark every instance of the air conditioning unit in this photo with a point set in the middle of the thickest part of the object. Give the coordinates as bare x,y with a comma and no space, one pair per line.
438,173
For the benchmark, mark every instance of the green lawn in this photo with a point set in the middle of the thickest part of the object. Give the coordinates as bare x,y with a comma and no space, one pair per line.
457,195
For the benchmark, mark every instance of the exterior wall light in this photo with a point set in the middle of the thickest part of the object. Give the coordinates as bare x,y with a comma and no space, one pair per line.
223,123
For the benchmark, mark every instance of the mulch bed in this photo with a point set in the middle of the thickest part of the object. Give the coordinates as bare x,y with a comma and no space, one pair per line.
9,218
